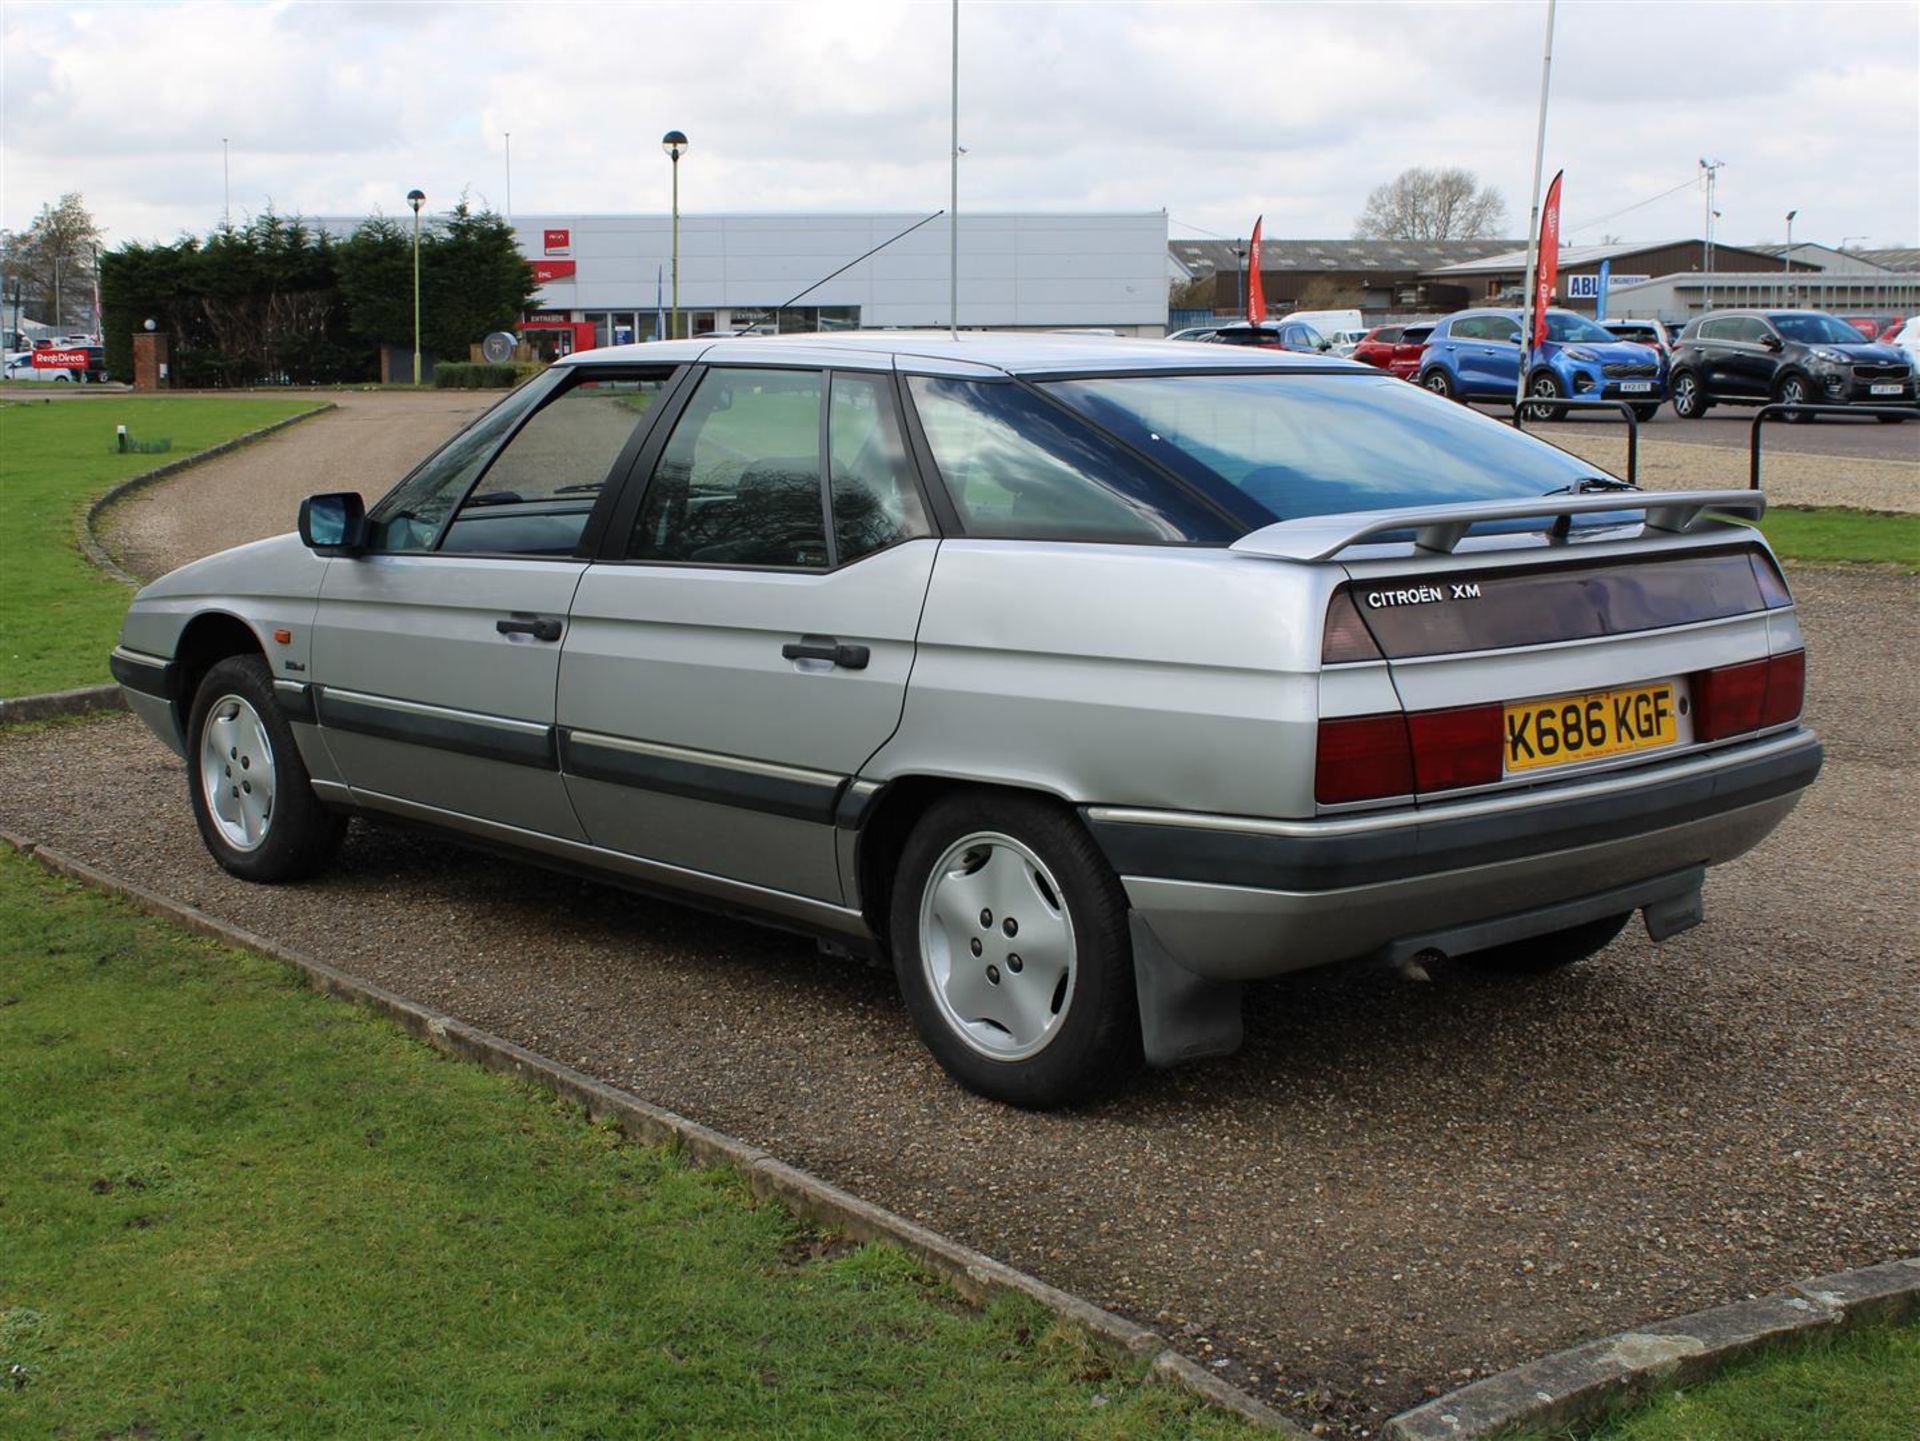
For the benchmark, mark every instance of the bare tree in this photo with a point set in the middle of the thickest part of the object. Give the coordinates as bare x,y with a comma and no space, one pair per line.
52,260
1432,204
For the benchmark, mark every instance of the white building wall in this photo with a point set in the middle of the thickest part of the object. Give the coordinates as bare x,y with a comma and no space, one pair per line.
1015,270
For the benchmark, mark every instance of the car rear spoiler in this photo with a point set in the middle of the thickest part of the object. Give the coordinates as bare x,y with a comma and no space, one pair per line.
1439,528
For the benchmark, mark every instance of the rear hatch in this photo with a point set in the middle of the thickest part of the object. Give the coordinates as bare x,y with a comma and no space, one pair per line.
1459,664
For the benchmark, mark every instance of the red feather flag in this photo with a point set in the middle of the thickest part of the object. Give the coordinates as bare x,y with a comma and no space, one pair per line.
1548,275
1256,297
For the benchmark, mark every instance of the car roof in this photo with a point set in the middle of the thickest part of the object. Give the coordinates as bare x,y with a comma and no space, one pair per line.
970,351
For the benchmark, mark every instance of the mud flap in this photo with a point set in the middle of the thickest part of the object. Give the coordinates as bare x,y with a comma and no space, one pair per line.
1183,1017
1674,914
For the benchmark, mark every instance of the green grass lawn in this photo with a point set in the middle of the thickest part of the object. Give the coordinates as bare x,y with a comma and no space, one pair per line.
1864,1386
58,614
231,1206
1844,537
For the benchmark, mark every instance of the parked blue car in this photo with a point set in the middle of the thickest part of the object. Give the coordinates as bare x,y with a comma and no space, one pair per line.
1475,355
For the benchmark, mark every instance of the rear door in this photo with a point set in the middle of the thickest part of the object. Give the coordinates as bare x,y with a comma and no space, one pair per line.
743,644
435,654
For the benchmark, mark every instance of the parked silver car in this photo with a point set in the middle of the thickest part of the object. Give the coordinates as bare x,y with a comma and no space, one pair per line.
1089,679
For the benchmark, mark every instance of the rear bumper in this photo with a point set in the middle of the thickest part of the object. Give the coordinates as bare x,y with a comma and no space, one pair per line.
1234,899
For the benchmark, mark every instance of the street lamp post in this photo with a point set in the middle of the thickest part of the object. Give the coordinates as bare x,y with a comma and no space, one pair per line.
416,198
674,142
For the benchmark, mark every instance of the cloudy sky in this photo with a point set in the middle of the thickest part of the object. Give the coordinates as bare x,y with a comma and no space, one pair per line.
1211,112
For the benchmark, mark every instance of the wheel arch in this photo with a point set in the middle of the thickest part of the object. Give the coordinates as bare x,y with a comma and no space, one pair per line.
209,638
891,816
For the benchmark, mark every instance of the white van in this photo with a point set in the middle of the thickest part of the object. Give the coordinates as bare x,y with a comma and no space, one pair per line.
1329,322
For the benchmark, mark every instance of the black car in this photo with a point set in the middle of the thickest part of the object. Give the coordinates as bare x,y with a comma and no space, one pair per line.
1797,357
1277,335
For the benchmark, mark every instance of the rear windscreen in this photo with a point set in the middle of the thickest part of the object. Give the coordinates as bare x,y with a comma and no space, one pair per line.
1307,445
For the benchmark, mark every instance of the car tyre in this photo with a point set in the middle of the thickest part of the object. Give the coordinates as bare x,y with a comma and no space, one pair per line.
1892,419
252,797
1545,385
1646,412
1440,383
1011,945
1793,390
1689,397
1550,952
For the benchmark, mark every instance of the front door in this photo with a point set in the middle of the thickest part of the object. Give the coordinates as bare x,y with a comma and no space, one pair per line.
743,648
436,654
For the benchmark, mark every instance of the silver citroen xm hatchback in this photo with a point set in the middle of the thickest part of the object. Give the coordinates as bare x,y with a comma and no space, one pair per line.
1087,679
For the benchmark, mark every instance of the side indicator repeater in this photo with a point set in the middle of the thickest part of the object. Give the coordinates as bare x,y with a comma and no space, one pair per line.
283,637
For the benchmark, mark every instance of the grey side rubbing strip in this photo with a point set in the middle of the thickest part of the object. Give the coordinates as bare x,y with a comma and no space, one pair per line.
779,790
295,699
148,674
500,738
855,802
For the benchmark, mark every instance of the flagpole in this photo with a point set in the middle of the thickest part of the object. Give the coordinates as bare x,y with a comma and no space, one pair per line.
1533,219
953,199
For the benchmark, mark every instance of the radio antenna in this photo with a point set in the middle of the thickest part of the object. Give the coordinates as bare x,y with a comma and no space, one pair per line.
748,330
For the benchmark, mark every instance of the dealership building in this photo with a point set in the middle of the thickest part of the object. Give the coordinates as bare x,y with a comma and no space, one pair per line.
608,279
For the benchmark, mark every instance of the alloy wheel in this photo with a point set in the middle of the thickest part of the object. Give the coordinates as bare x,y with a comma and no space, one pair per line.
237,772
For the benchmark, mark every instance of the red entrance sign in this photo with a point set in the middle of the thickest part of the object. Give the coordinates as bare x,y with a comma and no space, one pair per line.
547,271
559,242
59,360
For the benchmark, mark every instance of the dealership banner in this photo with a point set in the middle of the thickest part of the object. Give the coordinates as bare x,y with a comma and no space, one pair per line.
1549,275
547,271
1256,296
47,359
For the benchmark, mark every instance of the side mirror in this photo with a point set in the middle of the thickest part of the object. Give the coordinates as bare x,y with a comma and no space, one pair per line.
334,523
1772,342
1325,345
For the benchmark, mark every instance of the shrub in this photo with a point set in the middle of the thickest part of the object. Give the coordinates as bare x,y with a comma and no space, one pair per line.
475,375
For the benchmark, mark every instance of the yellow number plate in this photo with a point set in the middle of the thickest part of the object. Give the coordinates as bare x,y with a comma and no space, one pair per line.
1586,727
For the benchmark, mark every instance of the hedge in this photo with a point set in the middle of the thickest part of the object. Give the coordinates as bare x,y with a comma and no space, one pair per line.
475,375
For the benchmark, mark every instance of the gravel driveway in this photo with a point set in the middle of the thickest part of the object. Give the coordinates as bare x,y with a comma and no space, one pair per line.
1392,1188
366,443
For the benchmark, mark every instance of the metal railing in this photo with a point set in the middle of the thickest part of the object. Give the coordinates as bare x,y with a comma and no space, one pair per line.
1780,408
1625,407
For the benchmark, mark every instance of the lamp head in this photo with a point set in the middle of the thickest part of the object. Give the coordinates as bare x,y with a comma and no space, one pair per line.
416,198
674,142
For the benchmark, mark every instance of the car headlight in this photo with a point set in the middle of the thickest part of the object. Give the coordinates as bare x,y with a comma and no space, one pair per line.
1581,354
1830,357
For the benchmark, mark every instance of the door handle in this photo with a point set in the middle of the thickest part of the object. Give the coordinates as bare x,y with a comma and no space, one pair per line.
540,627
825,647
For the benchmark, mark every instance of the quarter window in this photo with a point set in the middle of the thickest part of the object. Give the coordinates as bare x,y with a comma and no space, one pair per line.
739,480
875,503
1017,467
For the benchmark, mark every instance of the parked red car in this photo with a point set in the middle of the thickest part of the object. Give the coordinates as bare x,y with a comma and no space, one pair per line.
1394,348
1892,332
1869,325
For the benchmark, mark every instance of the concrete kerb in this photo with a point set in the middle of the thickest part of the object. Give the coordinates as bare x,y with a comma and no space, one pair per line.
53,705
973,1273
1584,1384
90,542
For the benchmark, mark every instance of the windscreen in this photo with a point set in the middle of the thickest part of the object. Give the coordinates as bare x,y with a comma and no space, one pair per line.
1304,445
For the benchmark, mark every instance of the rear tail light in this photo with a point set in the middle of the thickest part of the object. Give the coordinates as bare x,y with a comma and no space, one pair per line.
1362,758
1346,637
1453,748
1734,699
1371,757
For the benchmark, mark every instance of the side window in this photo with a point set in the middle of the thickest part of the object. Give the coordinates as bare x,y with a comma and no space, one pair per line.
739,480
870,478
1018,468
1713,330
1474,327
1500,328
535,497
409,516
1754,330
